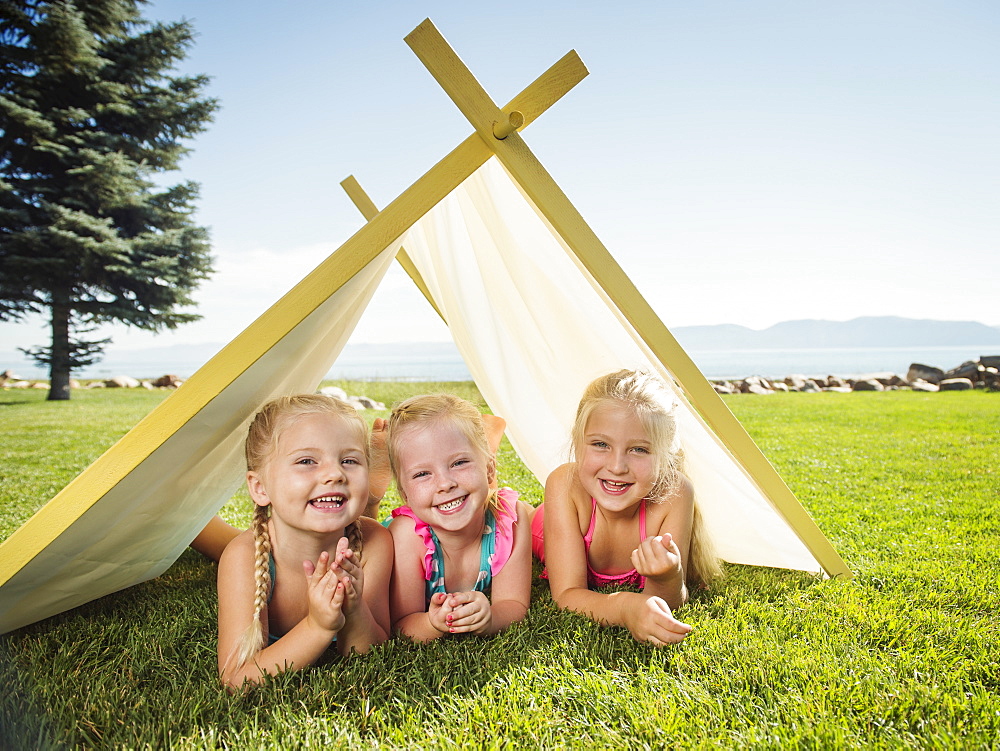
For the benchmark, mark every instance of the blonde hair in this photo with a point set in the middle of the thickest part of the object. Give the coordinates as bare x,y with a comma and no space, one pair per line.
261,442
419,410
655,404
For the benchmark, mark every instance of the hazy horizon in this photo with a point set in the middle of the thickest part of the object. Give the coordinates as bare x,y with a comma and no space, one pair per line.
207,349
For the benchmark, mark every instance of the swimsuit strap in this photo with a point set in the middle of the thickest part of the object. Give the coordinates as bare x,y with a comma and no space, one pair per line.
271,571
271,638
589,537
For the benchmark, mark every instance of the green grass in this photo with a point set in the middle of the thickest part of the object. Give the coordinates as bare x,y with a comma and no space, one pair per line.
907,654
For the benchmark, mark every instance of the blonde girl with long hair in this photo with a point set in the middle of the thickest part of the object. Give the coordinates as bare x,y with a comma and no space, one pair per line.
310,572
462,546
619,531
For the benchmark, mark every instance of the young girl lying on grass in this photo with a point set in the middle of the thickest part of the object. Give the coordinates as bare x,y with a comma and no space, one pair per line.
462,547
621,515
311,571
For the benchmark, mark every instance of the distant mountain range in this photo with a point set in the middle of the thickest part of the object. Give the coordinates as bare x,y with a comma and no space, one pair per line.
880,331
883,331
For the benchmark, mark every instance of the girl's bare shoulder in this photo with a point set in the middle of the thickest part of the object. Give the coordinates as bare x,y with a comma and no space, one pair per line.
681,496
401,525
237,558
682,491
524,509
562,481
563,490
240,547
372,531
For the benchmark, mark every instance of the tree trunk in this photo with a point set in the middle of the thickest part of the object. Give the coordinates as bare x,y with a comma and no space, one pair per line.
59,363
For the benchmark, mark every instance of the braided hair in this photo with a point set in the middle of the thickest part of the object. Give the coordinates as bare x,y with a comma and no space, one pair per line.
261,441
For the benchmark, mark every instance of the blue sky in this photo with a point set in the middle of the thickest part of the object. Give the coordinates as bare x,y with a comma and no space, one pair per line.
745,162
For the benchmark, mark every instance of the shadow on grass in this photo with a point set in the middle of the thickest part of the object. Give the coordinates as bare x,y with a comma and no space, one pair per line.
16,402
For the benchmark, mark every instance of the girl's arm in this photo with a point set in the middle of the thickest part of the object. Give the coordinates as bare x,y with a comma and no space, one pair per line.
214,538
300,647
407,587
510,591
661,558
647,617
368,622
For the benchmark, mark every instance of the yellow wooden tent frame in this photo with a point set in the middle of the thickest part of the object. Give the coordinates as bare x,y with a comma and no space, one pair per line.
496,134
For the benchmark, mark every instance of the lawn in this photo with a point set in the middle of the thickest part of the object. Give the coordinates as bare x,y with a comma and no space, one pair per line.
907,653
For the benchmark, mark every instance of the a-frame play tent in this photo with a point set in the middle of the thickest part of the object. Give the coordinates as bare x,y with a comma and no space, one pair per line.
536,305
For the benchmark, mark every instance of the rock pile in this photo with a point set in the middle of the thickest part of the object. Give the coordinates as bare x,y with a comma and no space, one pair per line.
8,380
359,402
983,373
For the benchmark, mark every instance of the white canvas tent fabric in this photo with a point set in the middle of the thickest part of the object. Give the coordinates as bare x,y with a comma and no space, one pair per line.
533,328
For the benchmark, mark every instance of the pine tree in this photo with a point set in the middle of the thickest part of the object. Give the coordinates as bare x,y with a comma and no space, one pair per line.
89,115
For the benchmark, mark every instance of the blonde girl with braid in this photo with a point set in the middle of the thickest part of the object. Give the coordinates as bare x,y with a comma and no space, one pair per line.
462,546
311,571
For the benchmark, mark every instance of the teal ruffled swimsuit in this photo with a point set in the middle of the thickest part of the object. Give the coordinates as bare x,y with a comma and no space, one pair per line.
494,552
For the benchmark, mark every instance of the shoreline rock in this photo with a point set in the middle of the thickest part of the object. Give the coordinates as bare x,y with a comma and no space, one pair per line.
983,373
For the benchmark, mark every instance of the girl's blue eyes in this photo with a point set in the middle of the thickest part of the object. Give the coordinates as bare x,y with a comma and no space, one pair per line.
637,449
348,460
456,463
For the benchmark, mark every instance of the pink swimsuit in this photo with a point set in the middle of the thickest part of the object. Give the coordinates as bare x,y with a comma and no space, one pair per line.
594,578
599,579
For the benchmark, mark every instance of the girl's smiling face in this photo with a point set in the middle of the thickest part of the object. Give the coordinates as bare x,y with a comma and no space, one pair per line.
442,476
316,478
616,464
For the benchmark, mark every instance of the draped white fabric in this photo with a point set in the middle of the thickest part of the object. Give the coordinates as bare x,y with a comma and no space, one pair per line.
139,528
534,330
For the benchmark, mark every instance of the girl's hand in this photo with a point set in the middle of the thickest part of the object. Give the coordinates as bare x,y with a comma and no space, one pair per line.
658,557
326,595
654,623
439,612
350,573
470,613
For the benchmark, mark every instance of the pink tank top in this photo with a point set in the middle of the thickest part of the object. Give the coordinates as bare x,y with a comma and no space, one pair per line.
599,579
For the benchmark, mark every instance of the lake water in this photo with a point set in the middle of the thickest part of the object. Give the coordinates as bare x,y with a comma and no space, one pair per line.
444,364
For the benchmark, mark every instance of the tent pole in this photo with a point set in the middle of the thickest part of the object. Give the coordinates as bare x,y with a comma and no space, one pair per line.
368,210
